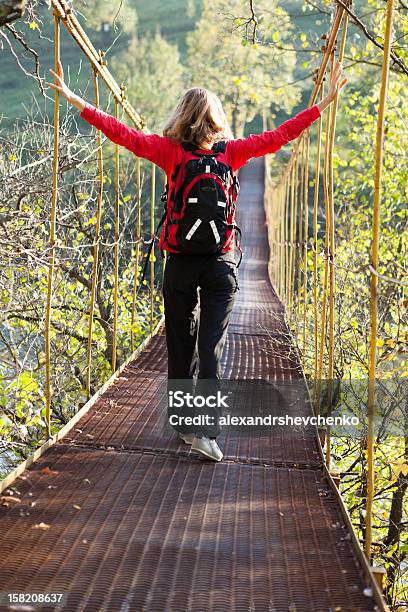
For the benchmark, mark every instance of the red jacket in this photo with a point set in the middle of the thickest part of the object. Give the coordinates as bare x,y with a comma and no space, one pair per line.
166,153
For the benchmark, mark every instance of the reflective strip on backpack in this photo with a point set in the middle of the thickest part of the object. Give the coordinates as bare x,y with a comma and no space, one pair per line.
193,199
223,204
215,231
193,229
208,168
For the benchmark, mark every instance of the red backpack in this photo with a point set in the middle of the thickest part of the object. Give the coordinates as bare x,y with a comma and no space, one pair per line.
199,209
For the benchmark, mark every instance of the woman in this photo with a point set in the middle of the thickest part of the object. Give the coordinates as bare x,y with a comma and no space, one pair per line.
198,120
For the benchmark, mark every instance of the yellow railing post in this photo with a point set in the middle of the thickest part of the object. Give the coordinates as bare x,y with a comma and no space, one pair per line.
164,252
96,246
331,242
116,264
289,234
294,232
277,221
330,256
137,252
300,223
373,278
315,257
51,246
152,220
305,241
281,237
326,269
285,252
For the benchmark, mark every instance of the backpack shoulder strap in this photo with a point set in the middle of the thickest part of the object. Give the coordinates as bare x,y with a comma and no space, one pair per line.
219,147
188,146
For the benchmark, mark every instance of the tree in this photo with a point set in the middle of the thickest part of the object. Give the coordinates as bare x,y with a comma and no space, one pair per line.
100,14
151,68
248,78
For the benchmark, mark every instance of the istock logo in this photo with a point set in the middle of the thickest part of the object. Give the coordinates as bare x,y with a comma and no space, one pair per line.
177,399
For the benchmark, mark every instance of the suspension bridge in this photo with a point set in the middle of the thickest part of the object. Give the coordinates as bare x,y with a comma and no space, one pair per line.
117,513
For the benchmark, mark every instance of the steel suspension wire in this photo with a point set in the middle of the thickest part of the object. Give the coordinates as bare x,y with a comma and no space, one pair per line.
330,256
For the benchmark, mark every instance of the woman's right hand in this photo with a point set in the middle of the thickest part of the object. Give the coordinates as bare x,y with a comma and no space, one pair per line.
63,88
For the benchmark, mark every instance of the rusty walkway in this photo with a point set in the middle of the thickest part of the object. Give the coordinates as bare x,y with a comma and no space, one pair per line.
120,516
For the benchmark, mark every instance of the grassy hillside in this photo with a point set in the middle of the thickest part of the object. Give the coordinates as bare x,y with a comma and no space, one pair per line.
171,16
16,89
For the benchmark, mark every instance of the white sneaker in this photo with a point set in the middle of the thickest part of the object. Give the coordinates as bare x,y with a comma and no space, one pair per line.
207,447
187,438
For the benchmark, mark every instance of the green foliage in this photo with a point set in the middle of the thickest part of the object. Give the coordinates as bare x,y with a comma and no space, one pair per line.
23,282
152,70
354,171
248,78
97,12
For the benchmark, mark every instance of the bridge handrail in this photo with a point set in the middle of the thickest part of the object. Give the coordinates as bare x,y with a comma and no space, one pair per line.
64,14
287,208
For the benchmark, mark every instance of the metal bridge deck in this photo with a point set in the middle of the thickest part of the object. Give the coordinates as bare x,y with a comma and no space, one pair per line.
125,518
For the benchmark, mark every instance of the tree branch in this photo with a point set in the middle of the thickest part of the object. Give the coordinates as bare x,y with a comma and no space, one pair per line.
397,60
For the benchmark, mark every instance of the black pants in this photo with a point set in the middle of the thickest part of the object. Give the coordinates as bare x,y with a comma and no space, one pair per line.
199,293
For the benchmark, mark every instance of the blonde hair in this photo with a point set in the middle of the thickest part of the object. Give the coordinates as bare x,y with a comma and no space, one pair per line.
198,117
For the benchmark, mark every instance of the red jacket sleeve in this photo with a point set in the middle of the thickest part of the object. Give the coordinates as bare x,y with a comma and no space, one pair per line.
158,149
241,150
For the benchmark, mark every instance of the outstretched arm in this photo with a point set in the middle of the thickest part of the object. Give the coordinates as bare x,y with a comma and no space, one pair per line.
153,147
241,150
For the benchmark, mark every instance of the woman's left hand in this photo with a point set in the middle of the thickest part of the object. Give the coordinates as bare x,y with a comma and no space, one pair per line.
63,88
334,87
335,83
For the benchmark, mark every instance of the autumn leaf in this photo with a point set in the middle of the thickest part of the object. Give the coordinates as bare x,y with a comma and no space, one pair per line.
47,470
